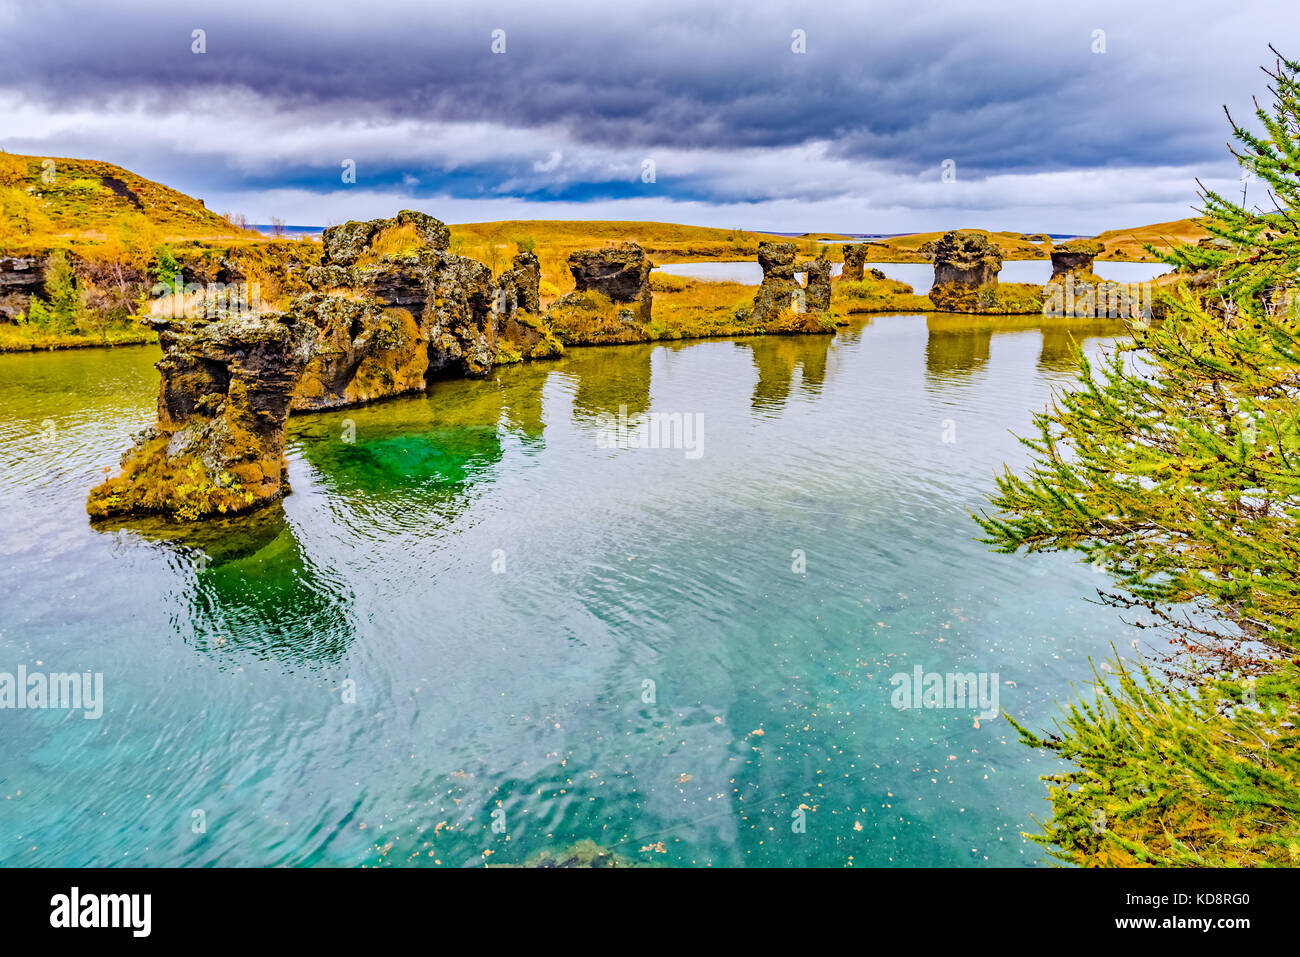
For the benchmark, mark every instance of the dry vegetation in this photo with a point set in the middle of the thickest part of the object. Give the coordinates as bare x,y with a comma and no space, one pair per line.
1129,243
52,202
122,232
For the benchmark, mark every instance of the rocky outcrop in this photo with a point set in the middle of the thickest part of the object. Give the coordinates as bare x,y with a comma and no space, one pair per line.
621,273
223,402
21,277
855,259
395,310
389,308
1075,258
611,300
522,283
348,244
779,290
817,293
363,351
966,267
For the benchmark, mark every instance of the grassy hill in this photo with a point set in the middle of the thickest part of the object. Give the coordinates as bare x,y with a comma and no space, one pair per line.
556,238
1127,243
58,201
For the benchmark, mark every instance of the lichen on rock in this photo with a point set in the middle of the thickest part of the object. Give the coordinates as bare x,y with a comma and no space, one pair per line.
966,267
522,284
611,300
223,402
1075,258
855,258
620,272
778,291
395,310
817,293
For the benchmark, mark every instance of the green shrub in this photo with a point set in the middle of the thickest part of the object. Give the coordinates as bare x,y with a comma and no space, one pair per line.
63,308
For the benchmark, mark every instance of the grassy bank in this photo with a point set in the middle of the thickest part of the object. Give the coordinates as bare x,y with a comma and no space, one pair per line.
14,338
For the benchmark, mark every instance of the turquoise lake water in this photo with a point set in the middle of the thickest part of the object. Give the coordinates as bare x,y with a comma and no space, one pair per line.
476,631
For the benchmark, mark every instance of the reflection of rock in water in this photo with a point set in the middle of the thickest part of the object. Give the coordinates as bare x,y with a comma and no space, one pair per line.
777,357
956,346
521,387
1060,338
405,456
609,378
251,589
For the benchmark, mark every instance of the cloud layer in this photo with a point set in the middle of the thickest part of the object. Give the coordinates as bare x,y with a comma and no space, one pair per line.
680,111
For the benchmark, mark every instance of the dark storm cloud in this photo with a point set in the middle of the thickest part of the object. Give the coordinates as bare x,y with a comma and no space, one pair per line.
998,88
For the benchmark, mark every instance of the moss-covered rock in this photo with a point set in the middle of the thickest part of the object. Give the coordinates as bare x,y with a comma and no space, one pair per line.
525,336
346,244
223,403
522,283
778,291
1075,258
395,310
817,293
855,258
966,267
621,273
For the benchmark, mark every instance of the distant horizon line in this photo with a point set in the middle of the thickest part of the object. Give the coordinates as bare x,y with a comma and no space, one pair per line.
270,227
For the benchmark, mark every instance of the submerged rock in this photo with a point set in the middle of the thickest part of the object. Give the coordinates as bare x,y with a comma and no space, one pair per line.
966,267
585,853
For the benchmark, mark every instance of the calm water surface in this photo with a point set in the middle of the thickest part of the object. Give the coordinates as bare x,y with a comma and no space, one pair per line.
501,595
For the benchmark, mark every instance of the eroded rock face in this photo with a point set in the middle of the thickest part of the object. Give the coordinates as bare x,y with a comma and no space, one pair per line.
966,267
777,292
21,277
389,308
620,272
523,282
395,310
346,244
223,402
855,259
817,294
363,351
1075,257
